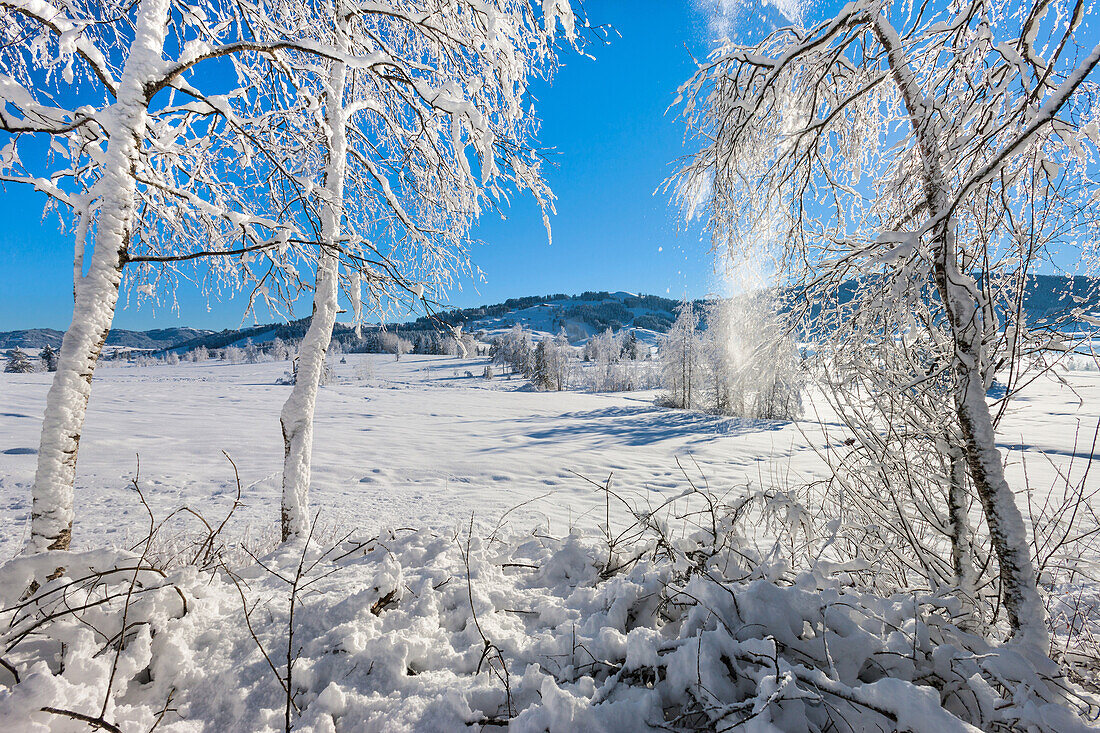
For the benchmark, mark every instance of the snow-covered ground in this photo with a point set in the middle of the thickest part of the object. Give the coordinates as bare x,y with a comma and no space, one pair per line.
422,626
418,443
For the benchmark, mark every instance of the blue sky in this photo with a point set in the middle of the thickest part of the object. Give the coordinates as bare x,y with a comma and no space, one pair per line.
614,145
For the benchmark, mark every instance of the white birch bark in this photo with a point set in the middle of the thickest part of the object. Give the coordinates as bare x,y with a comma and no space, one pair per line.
96,294
297,413
958,292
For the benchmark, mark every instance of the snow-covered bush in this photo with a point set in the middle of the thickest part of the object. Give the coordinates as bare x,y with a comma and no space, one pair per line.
649,623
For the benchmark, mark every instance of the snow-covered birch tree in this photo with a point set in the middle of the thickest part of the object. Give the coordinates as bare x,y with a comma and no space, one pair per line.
420,112
680,352
912,153
99,111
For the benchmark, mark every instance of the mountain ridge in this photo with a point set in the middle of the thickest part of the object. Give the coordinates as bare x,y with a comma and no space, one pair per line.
581,316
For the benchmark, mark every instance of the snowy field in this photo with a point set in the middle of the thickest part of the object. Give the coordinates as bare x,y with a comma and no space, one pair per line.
417,443
419,625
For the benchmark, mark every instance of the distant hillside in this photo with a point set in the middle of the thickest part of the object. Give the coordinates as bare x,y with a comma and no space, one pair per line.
1050,299
157,338
580,316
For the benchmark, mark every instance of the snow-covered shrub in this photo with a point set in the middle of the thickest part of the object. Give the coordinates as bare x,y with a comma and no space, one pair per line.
394,344
650,624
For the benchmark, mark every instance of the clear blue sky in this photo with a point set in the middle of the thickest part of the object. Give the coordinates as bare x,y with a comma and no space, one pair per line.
615,144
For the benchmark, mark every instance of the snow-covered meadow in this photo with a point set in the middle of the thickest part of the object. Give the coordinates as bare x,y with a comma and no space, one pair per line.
415,622
415,443
420,443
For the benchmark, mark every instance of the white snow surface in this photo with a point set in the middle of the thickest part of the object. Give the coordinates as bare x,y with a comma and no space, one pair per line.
415,444
386,638
418,443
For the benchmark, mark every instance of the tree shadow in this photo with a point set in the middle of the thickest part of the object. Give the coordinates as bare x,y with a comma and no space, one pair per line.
646,424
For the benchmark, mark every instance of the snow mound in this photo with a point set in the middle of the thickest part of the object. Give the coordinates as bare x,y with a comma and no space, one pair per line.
644,629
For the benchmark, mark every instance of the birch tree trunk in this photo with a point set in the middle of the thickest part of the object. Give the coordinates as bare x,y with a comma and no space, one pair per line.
297,413
96,294
958,293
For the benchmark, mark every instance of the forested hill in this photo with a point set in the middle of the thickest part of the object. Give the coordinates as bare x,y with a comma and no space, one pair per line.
157,338
1050,299
580,316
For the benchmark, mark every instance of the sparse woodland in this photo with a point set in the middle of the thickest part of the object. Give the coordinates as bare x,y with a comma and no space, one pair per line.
898,170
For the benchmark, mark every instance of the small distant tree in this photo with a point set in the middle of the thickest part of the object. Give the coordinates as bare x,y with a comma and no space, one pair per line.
48,357
630,346
18,363
523,359
279,350
551,363
514,350
680,352
749,364
394,344
590,350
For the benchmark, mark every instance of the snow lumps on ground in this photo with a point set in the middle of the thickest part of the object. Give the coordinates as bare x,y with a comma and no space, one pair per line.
422,631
